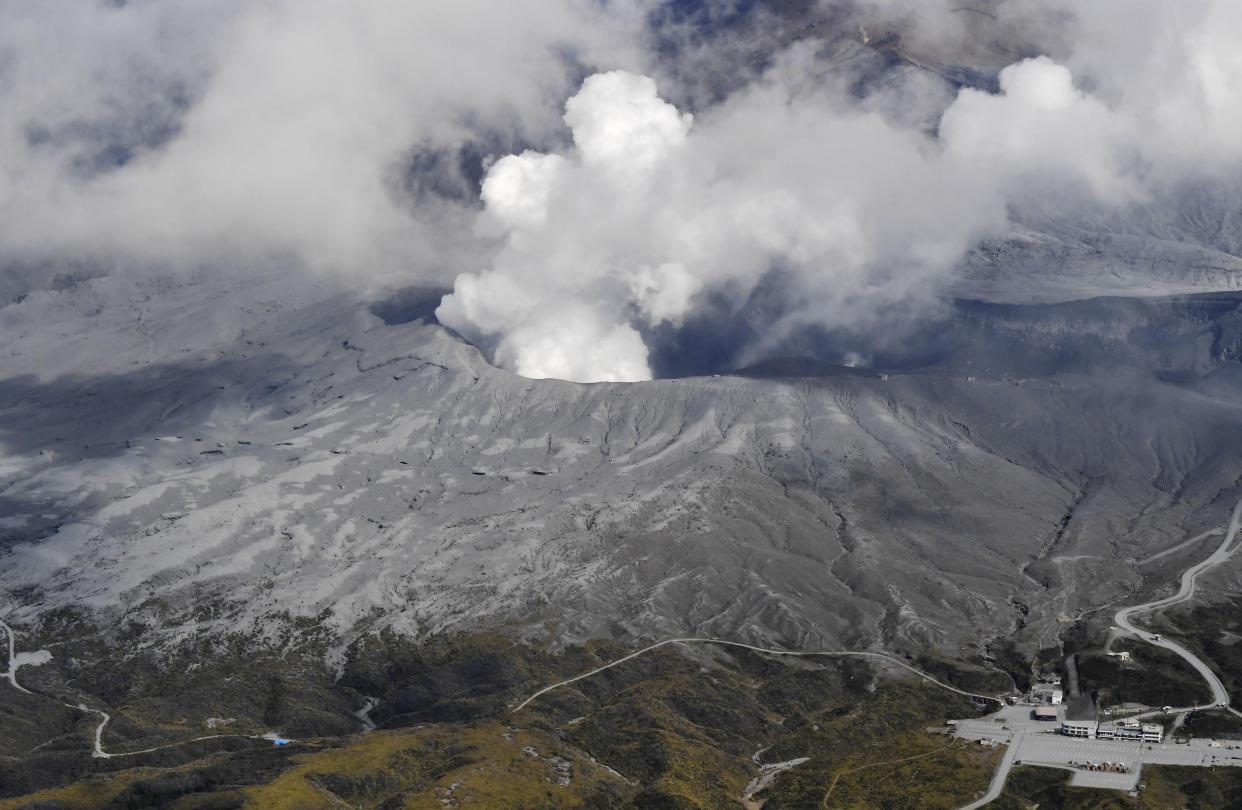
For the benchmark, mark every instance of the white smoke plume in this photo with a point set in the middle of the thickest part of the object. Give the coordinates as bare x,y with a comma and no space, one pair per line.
228,133
650,207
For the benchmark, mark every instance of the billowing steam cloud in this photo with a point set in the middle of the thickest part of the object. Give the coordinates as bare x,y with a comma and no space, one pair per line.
1043,132
309,133
650,207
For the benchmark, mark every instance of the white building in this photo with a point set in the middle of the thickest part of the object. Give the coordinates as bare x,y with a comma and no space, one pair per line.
1131,730
1079,728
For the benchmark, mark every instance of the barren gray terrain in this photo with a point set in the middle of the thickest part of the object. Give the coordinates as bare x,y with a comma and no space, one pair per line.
309,459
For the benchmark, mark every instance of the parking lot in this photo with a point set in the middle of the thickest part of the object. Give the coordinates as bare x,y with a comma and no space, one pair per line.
1002,724
1040,744
1058,750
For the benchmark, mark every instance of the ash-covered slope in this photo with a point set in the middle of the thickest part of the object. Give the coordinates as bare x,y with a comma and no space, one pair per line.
1072,262
317,462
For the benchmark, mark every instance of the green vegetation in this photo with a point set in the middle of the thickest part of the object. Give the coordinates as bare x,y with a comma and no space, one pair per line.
1005,655
672,729
487,766
30,720
126,786
974,675
1215,632
459,677
675,728
686,732
53,766
921,770
1218,724
873,727
490,765
1153,676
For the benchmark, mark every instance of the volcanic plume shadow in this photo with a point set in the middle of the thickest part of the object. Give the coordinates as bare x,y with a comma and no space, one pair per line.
1182,338
75,419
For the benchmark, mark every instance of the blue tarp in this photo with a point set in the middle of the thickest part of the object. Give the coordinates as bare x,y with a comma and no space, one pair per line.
280,741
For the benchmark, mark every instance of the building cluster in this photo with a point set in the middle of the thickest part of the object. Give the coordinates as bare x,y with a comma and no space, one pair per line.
1046,693
1131,730
1121,730
1043,693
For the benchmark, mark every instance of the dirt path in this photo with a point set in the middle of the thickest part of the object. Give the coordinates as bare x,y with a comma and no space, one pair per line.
818,653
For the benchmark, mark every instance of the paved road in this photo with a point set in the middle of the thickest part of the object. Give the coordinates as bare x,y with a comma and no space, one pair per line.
1122,619
99,752
1185,593
998,778
824,654
11,673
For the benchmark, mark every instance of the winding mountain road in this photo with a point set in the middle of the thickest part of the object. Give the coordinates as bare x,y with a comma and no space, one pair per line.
1185,593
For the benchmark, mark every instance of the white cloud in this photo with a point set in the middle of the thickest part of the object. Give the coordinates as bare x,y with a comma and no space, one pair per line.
286,124
1174,69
